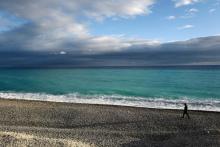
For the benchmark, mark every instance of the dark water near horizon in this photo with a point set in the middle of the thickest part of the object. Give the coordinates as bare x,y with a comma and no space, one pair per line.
141,87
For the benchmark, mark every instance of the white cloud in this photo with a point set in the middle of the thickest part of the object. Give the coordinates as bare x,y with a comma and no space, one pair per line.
55,23
179,3
120,8
171,17
186,27
193,10
63,53
190,13
103,44
212,10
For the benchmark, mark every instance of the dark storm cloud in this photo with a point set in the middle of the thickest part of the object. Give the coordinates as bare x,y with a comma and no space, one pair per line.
200,51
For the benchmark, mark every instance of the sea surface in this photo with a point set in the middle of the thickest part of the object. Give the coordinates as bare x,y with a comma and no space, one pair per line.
166,88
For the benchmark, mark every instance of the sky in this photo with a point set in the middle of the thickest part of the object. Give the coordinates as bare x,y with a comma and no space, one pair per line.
72,33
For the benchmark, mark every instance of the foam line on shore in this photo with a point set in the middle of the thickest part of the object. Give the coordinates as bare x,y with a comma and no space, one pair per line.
160,103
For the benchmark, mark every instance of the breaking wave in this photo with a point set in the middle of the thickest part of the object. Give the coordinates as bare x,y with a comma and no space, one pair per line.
147,102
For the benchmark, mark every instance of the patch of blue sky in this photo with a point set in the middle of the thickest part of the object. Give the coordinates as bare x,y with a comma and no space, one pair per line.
156,25
9,22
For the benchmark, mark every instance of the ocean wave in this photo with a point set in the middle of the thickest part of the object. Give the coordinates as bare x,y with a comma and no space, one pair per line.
147,102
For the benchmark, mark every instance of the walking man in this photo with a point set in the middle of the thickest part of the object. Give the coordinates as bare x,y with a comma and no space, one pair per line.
185,112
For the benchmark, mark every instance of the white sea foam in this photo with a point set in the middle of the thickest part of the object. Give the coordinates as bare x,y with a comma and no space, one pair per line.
162,103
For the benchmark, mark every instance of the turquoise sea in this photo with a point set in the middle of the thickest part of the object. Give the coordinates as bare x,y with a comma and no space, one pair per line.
140,87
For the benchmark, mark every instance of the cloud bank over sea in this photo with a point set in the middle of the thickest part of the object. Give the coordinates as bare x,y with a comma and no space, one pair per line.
54,34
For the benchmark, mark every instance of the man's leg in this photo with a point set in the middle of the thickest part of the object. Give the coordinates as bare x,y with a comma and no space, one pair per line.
188,115
183,114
